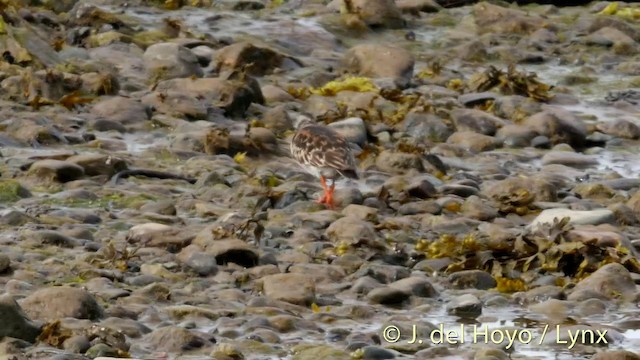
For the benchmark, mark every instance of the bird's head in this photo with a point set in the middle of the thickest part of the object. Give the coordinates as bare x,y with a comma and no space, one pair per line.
301,121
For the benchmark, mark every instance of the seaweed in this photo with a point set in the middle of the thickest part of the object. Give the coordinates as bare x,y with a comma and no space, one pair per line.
545,250
511,82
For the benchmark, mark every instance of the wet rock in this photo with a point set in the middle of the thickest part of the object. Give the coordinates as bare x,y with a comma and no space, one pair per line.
11,191
311,352
616,355
466,306
277,119
361,212
621,128
56,170
568,159
5,263
351,230
51,237
263,60
273,94
476,120
202,263
473,141
520,191
611,281
415,6
353,129
421,189
293,288
491,18
159,235
14,322
174,339
516,135
98,164
380,61
376,353
541,293
388,295
123,111
233,96
576,217
59,302
426,127
472,279
177,104
171,60
162,207
476,208
551,308
609,36
377,13
384,274
397,162
559,126
414,285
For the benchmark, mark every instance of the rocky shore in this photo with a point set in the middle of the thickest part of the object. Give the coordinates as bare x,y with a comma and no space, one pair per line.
149,207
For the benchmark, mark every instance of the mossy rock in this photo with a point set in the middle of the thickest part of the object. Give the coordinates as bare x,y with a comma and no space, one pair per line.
313,352
144,39
12,190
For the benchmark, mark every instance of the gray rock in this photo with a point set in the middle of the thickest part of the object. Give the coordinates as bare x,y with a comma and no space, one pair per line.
380,60
351,230
609,36
14,322
174,339
560,126
60,302
473,141
620,128
171,60
426,127
415,285
569,159
516,135
361,212
577,217
615,355
397,162
98,164
51,237
353,129
472,99
126,112
290,287
56,170
376,353
421,188
378,13
466,306
202,263
472,279
476,208
476,120
5,263
388,295
611,281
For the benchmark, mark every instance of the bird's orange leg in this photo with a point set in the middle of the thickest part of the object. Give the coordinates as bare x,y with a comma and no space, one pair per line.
323,199
329,199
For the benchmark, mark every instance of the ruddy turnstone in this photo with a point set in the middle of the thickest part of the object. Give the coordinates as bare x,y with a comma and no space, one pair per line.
324,153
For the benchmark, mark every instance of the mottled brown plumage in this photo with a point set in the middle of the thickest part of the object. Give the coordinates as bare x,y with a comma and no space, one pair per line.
324,153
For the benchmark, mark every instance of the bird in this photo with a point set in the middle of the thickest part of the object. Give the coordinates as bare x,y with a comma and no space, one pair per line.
324,153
